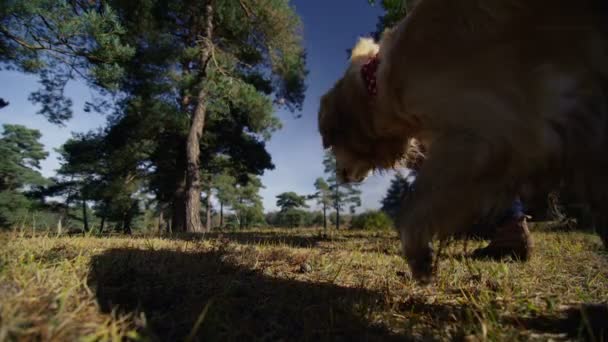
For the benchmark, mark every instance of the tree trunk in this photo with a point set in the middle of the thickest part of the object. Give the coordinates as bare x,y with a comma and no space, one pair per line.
159,226
193,181
324,217
59,226
126,223
208,210
126,226
221,214
178,204
85,219
337,204
337,217
103,222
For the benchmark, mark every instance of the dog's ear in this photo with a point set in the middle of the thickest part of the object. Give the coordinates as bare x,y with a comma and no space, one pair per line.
365,49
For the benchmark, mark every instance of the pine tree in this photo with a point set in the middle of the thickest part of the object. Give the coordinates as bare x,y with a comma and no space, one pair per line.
228,62
21,153
323,195
341,194
391,203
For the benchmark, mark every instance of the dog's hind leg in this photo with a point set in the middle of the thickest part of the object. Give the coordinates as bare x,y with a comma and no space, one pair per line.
463,178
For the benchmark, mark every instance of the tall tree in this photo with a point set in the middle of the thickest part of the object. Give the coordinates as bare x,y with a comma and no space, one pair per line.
21,153
82,168
323,195
268,29
226,58
341,194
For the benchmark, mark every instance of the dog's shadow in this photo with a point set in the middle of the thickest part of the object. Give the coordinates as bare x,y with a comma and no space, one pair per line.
173,289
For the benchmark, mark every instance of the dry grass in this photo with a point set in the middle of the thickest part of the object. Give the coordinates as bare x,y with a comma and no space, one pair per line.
293,285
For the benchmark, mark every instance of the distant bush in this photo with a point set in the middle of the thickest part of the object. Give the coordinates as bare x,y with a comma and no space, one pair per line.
293,218
372,220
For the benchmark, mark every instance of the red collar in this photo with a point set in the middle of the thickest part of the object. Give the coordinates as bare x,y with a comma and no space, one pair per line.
368,72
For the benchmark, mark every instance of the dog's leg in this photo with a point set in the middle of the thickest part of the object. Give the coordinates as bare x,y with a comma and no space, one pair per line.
462,177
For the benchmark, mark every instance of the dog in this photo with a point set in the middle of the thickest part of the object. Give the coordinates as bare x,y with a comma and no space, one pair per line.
502,94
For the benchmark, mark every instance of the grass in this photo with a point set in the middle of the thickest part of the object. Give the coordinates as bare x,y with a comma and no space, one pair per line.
294,285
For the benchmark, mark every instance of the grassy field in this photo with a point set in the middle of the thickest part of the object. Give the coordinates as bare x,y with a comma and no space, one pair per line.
294,285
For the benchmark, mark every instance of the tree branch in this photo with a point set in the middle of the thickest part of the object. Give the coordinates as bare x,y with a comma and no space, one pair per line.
19,41
245,9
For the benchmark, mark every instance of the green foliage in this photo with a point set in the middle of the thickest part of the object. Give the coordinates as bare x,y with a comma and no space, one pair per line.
14,208
21,154
96,169
225,186
150,52
248,205
290,200
293,218
61,40
323,195
395,10
371,220
256,61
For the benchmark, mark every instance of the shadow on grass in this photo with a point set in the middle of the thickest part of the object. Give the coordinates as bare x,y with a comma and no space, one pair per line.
173,288
588,322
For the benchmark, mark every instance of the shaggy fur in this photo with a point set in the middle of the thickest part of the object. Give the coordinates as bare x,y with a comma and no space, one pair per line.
502,93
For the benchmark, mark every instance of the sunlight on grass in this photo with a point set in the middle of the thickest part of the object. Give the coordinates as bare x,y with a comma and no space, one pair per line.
297,284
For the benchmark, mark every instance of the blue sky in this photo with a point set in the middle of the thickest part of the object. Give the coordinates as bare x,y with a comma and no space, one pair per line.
330,27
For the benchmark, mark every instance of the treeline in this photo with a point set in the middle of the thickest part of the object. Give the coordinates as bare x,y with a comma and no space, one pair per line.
82,197
190,89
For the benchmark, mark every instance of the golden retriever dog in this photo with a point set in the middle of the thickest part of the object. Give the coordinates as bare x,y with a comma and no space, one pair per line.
501,93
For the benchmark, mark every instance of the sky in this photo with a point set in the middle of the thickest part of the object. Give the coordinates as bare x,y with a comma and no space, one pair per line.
330,28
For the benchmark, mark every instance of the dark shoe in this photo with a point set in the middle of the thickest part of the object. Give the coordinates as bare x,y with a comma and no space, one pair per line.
512,239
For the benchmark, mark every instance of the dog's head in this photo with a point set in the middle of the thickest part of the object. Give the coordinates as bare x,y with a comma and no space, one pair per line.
345,123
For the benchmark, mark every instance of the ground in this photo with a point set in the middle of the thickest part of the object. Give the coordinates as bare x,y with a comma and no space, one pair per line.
294,285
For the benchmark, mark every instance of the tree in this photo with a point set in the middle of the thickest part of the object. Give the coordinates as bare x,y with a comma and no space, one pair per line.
291,215
98,168
81,169
267,29
225,61
341,194
60,41
225,186
248,205
21,154
291,200
395,10
323,195
391,202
